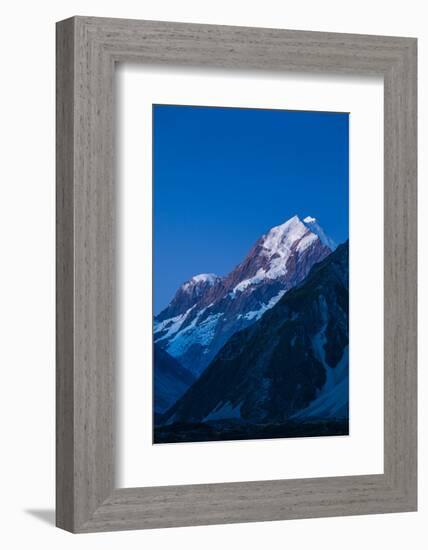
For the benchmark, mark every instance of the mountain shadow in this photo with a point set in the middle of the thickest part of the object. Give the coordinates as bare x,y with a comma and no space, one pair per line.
171,380
284,376
207,310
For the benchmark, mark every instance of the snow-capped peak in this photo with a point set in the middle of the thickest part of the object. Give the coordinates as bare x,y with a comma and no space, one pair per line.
313,225
277,247
208,309
282,236
278,244
203,278
210,278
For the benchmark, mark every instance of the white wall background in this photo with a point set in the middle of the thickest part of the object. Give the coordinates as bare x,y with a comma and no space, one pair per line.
27,272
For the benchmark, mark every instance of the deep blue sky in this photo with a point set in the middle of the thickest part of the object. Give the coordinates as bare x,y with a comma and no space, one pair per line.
224,176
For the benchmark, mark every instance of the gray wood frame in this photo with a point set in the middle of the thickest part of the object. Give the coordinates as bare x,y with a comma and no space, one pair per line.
87,50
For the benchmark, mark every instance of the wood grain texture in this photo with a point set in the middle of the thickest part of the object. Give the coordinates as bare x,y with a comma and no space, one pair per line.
64,276
87,50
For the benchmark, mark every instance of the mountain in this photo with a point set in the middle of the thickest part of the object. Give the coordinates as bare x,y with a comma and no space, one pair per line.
314,226
171,380
207,310
291,365
192,292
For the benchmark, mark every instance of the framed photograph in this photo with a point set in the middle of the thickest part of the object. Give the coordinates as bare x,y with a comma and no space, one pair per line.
262,361
236,274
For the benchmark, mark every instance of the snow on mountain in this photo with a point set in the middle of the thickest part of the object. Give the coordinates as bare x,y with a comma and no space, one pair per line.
170,326
201,280
280,239
278,245
191,294
255,315
313,225
290,364
333,399
208,309
194,334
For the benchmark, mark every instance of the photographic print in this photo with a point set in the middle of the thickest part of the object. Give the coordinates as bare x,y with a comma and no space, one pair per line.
250,273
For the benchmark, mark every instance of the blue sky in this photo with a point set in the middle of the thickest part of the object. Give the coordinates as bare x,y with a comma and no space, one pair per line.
224,176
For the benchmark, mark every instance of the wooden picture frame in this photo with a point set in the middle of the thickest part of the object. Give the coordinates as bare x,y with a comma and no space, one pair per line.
87,50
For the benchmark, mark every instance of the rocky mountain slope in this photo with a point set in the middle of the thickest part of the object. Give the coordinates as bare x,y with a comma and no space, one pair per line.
291,364
207,310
